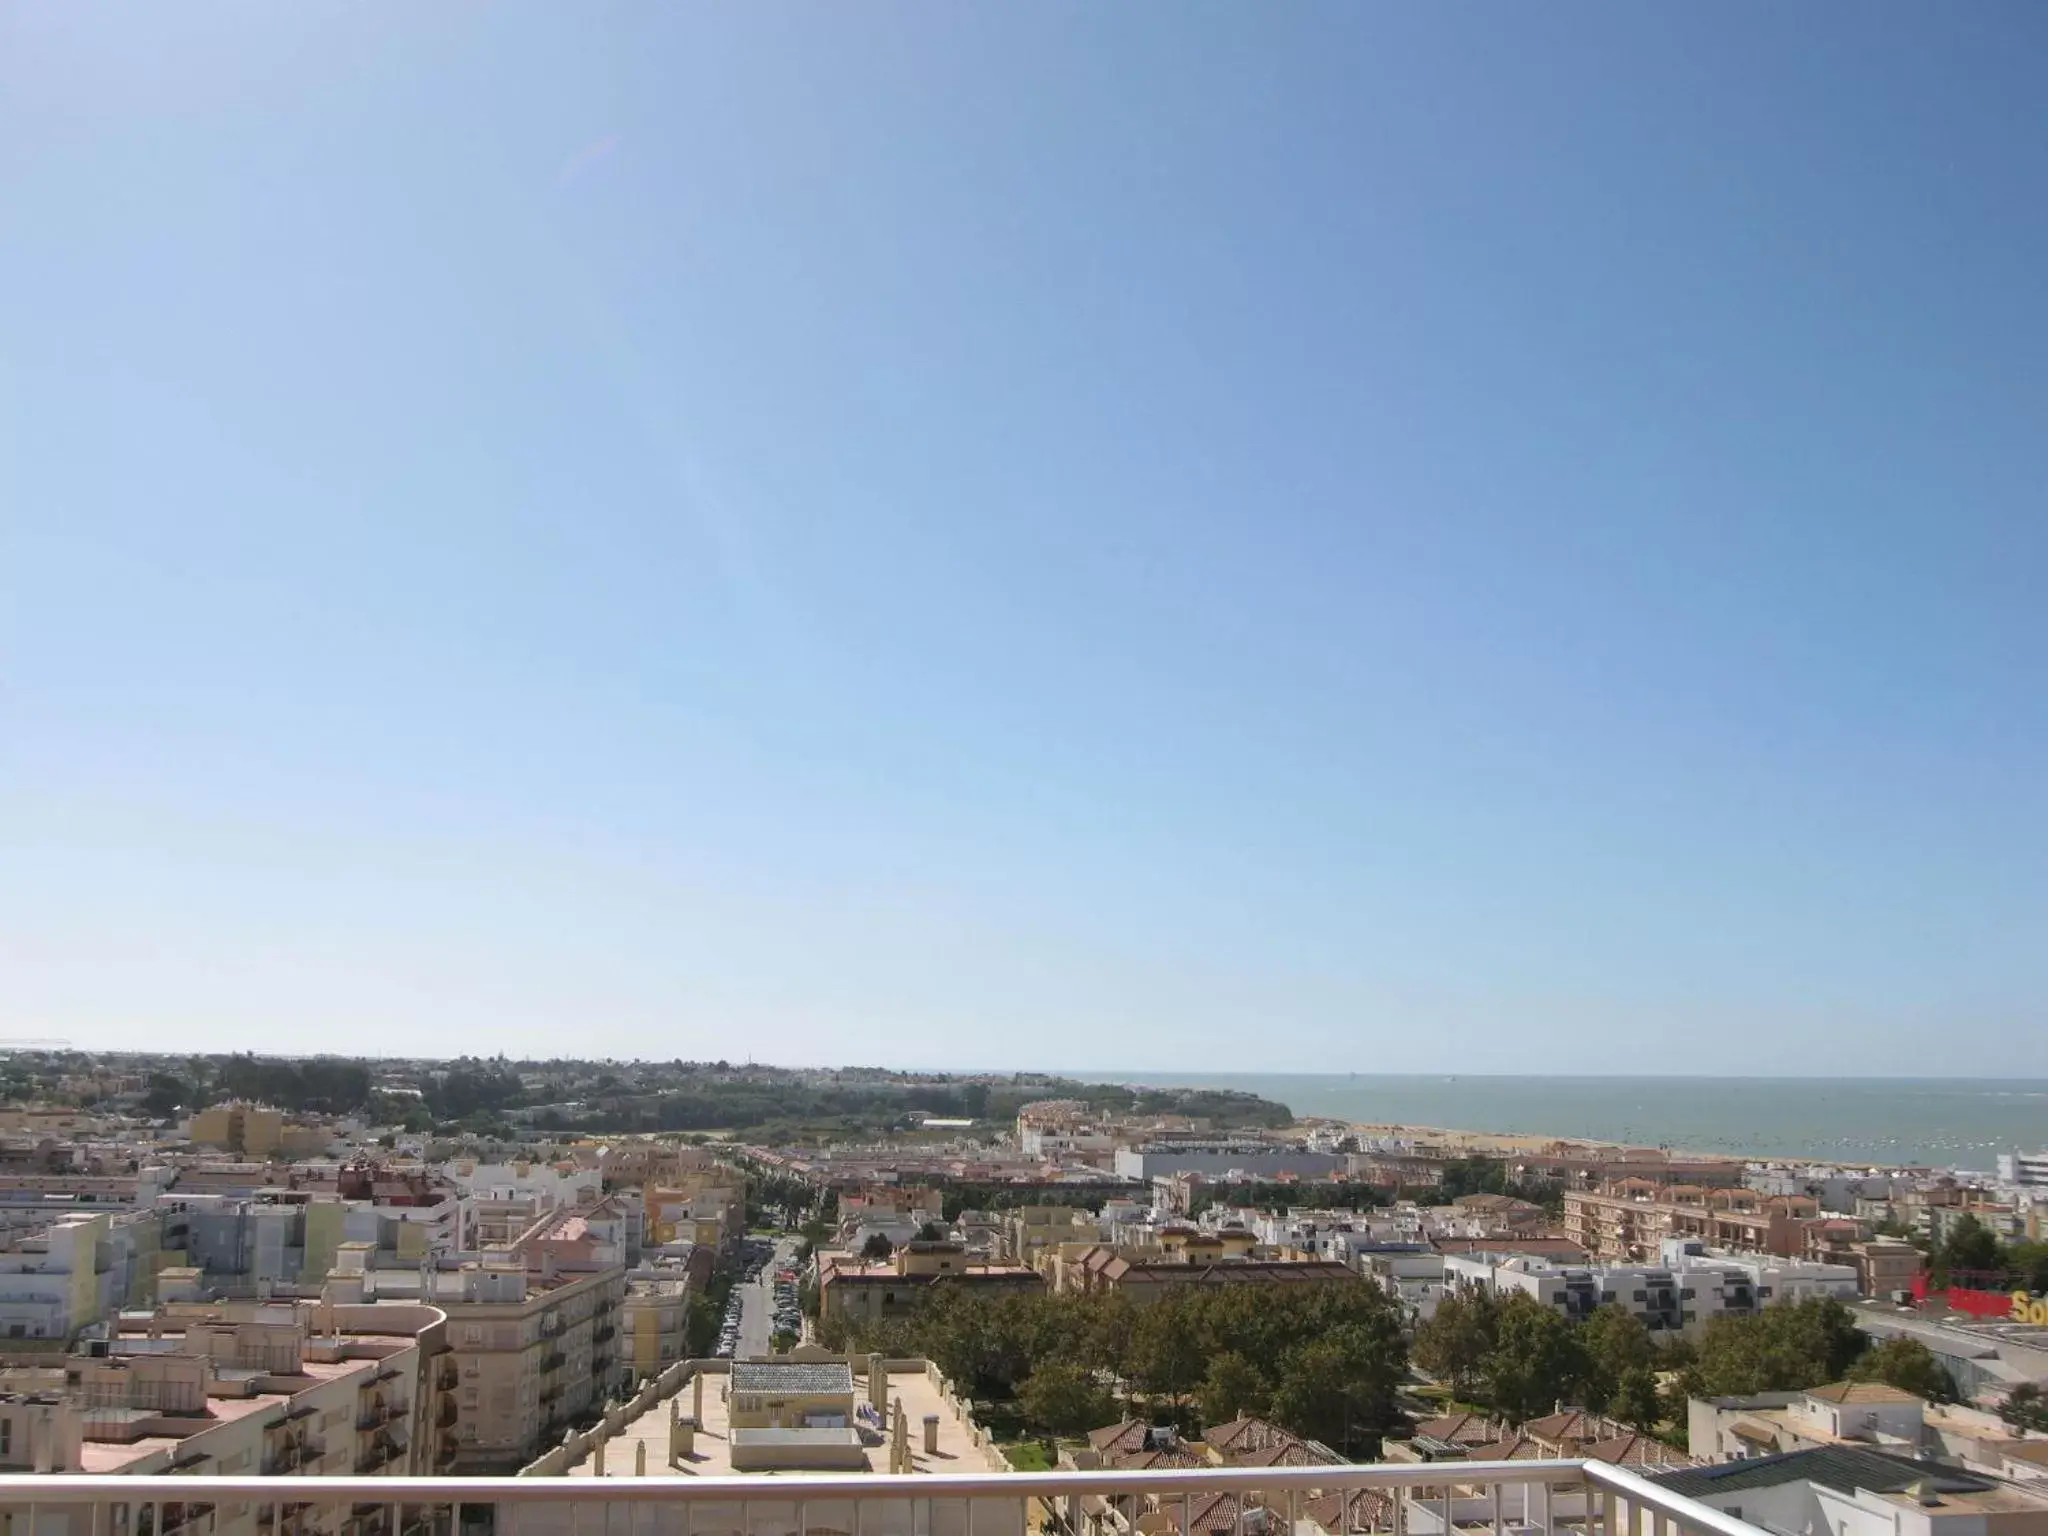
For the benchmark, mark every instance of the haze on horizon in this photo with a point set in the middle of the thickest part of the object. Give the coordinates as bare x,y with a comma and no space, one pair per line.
1321,538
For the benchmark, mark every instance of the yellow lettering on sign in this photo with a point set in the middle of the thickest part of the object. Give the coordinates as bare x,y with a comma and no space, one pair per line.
2021,1306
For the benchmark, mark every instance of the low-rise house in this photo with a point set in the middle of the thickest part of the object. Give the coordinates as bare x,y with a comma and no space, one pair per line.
1769,1423
1568,1434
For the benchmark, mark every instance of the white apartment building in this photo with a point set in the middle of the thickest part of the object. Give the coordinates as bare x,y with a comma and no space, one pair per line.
1679,1296
1224,1158
76,1271
544,1182
283,1242
1776,1279
2028,1169
1413,1274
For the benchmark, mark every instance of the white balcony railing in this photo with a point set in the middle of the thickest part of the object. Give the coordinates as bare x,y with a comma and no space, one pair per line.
1505,1498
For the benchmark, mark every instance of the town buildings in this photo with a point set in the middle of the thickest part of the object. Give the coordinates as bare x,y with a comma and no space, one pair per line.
1850,1490
532,1352
1630,1218
864,1292
238,1389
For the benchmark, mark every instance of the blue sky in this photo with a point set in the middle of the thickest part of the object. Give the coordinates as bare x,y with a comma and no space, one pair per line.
1243,537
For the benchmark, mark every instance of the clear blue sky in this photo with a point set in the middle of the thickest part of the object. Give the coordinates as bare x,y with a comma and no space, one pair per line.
1073,535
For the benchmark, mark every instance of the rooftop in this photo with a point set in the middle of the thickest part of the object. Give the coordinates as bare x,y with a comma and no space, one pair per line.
1861,1392
712,1454
1846,1467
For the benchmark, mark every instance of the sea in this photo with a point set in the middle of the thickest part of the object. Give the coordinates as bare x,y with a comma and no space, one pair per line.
1940,1122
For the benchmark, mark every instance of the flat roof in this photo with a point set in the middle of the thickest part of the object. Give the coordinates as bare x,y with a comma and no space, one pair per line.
712,1453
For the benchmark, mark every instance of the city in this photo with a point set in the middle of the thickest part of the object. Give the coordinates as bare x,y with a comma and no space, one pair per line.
1104,1284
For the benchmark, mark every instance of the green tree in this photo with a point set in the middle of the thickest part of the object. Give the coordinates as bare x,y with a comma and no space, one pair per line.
877,1247
1537,1360
701,1323
1910,1366
1167,1357
1969,1247
1454,1343
1780,1349
1634,1399
1234,1388
1340,1387
1616,1343
2025,1408
167,1095
2028,1263
1473,1176
1061,1398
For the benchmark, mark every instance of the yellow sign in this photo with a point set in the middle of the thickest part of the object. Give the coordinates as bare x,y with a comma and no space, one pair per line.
2027,1310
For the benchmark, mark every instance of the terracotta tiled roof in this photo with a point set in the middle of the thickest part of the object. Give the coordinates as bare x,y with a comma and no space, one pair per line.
1861,1392
1364,1509
1130,1435
1462,1429
1154,1461
1207,1513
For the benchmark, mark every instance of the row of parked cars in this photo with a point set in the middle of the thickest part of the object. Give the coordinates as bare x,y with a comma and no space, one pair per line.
789,1317
754,1257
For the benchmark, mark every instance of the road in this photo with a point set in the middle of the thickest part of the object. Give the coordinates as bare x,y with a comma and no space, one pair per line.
757,1304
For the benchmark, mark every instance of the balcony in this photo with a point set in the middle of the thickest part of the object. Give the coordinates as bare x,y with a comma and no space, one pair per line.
446,1414
603,1333
1527,1498
279,1463
446,1375
552,1360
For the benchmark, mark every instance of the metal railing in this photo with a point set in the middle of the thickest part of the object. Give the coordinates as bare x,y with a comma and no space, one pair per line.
1518,1498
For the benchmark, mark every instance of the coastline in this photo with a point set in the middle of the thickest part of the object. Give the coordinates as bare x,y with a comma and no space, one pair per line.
1510,1143
1963,1124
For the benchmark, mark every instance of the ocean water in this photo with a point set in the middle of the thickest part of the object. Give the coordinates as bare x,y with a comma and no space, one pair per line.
1944,1122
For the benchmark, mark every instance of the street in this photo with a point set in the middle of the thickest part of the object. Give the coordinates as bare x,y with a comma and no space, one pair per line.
757,1303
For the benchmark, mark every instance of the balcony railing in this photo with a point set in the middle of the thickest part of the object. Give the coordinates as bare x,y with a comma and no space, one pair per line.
1525,1498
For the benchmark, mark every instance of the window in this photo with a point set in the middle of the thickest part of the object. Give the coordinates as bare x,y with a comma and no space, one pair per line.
1607,1295
6,1436
1685,1294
